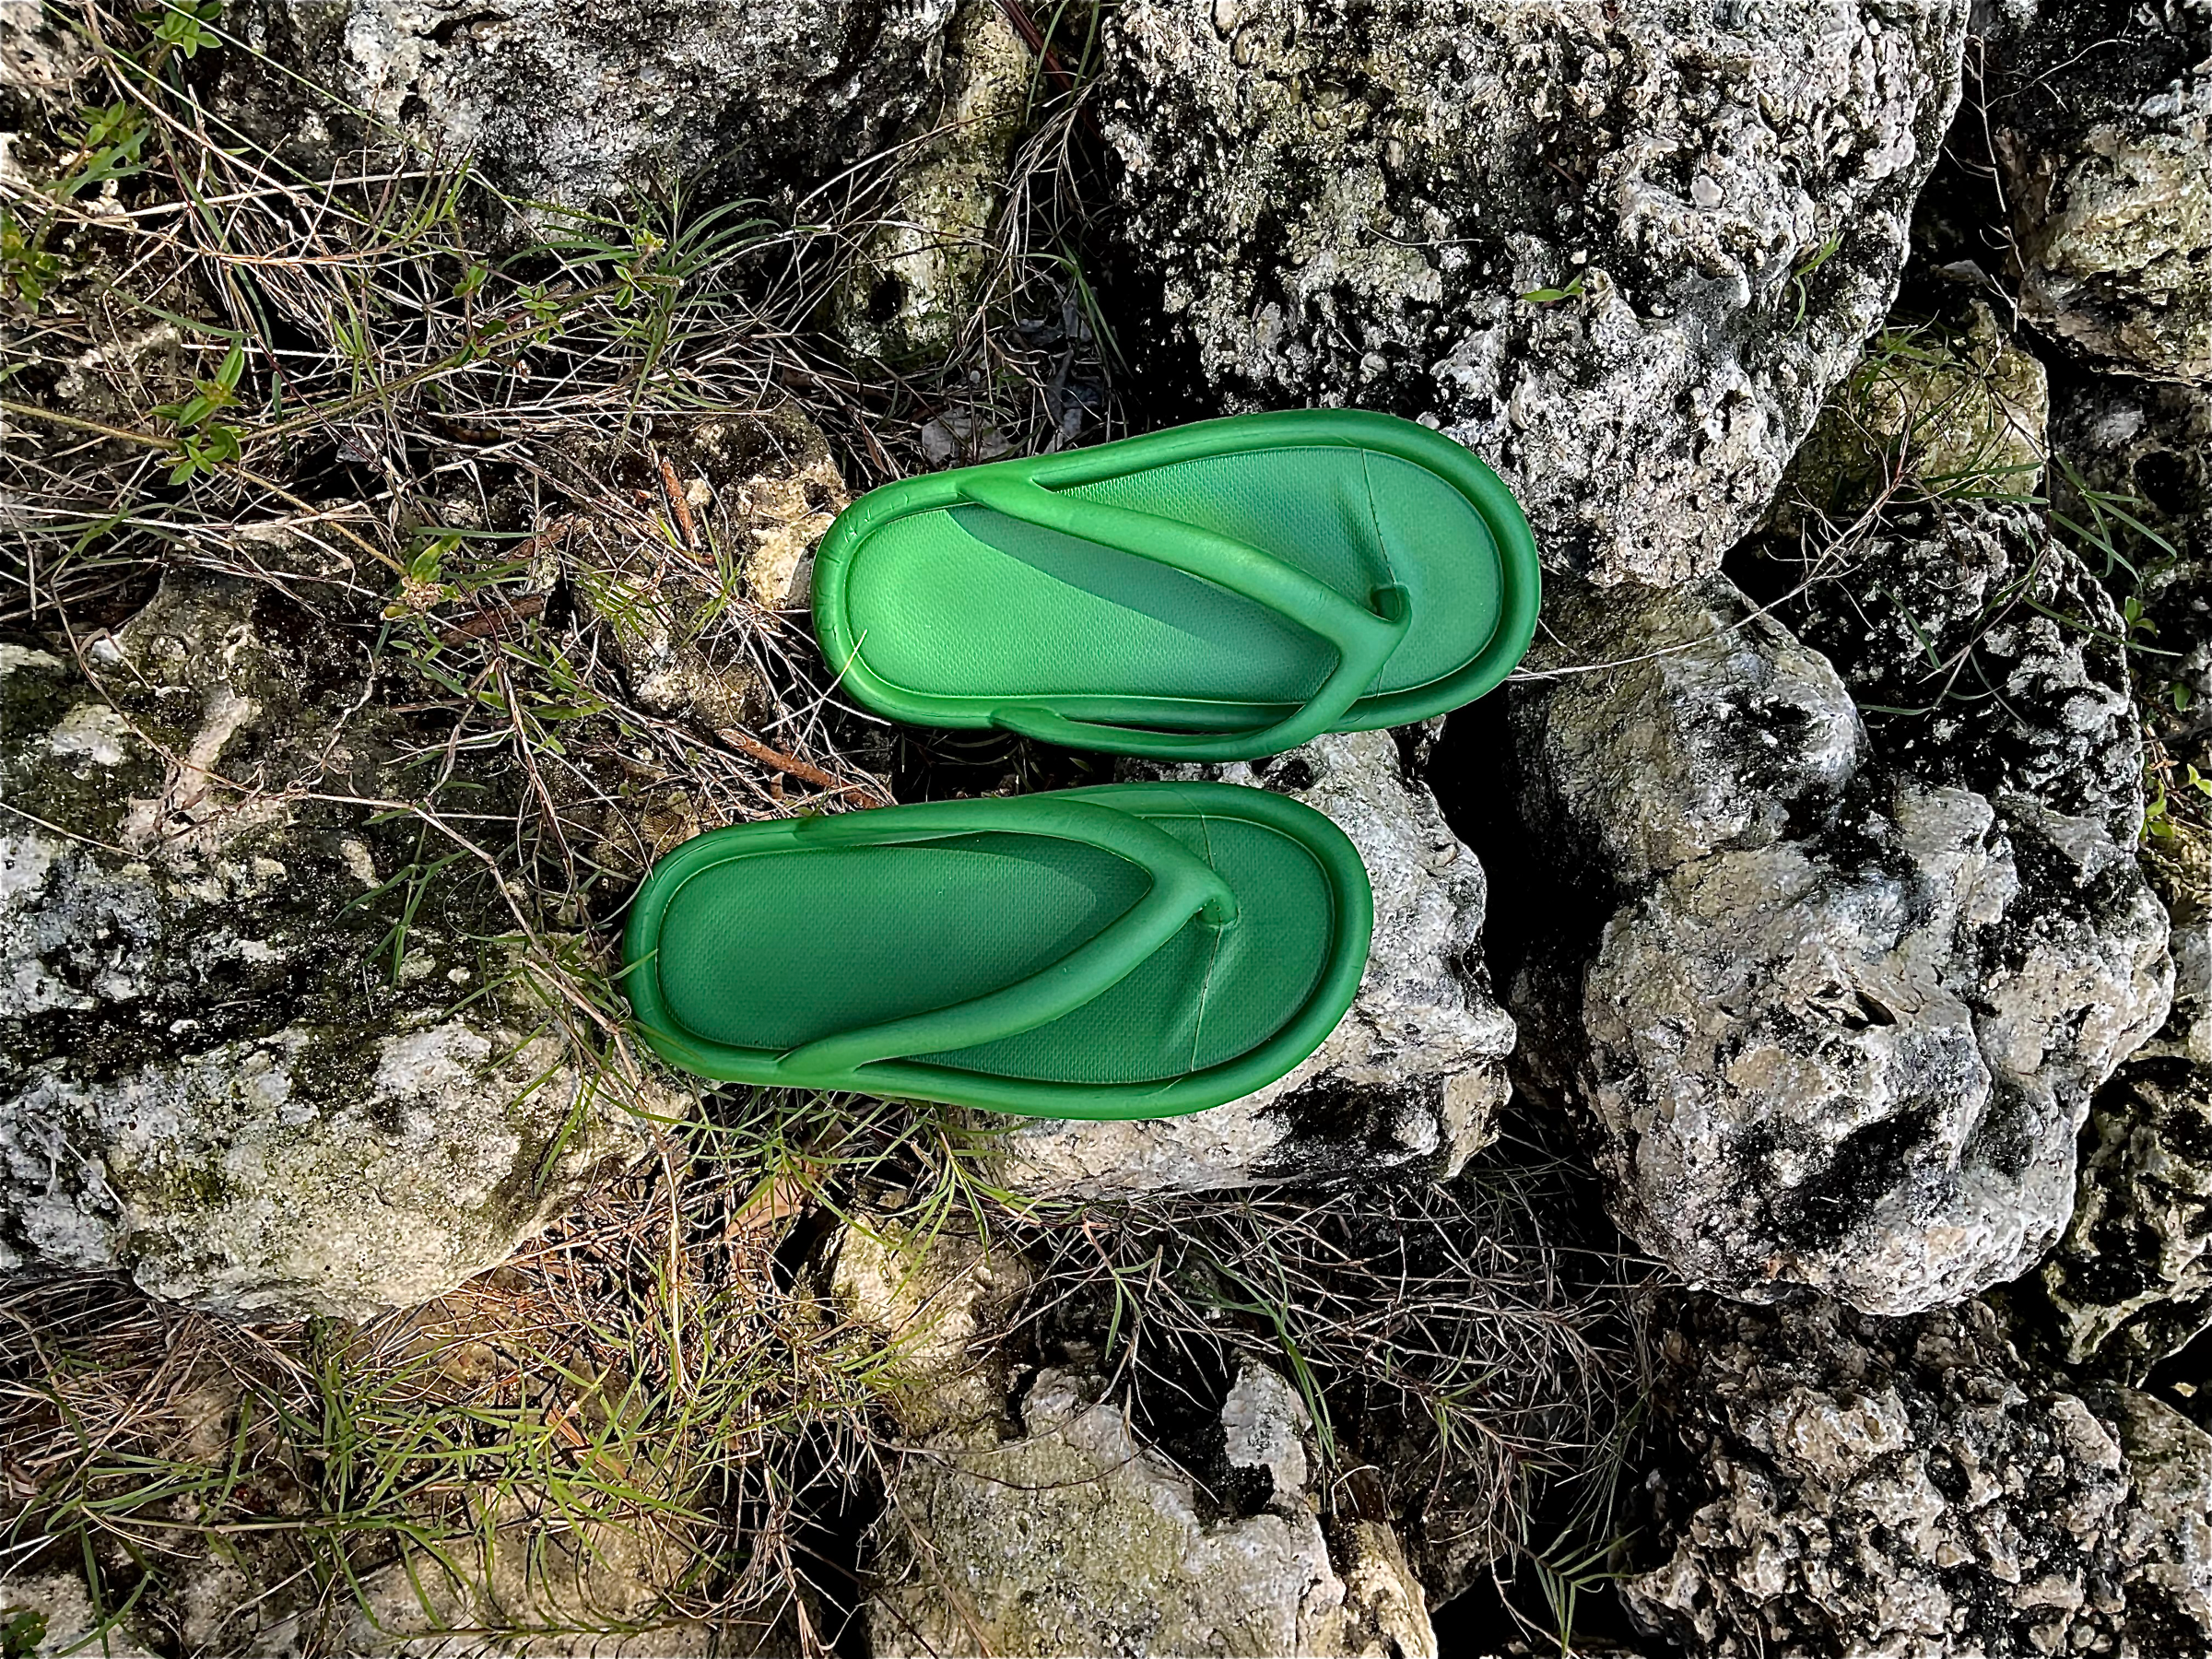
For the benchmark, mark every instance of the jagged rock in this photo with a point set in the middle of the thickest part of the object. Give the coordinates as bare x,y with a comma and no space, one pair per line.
42,65
1988,656
2103,133
2168,1543
1826,1027
1905,1487
1411,1078
1928,411
920,275
2132,1280
570,104
1622,252
536,1591
225,1070
51,1616
1077,1538
935,1302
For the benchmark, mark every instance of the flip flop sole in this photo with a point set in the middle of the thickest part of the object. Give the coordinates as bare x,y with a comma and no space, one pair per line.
749,944
939,610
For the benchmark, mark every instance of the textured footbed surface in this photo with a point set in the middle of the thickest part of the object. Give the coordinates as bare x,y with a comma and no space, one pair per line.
962,601
771,950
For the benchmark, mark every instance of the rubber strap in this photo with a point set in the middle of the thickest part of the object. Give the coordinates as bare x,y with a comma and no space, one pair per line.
1183,885
1363,639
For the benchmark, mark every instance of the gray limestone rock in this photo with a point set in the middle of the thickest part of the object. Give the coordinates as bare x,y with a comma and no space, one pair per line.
1851,1486
938,1301
1077,1537
1622,252
1988,657
2102,114
2167,1542
1932,409
1411,1078
1826,1027
921,273
570,104
1681,726
222,1068
2131,1282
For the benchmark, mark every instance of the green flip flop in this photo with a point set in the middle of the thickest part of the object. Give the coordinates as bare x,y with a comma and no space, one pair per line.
1135,950
1216,591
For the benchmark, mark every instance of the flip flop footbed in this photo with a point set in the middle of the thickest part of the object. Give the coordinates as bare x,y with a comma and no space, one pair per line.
766,946
946,611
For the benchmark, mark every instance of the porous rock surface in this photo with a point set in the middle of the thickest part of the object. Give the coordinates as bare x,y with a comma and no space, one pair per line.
2149,443
1409,1080
1620,252
573,103
1987,657
922,271
2131,1281
220,1070
1076,1537
1860,1486
1826,1027
2102,128
1029,1517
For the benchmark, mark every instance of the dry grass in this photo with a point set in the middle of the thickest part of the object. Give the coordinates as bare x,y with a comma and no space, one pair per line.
638,1386
1471,1352
469,452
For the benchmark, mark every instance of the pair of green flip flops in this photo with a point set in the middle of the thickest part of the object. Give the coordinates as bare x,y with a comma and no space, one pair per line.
1218,592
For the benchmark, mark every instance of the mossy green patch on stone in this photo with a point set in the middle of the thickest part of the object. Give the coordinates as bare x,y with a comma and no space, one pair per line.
921,275
1927,412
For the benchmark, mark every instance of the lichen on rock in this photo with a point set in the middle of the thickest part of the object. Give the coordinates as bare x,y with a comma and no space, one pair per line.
1828,1027
2103,132
574,105
1077,1537
1931,410
225,1071
1856,1485
1622,254
920,275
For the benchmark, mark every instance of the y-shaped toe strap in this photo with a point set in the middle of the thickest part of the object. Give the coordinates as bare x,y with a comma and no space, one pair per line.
1364,638
1182,886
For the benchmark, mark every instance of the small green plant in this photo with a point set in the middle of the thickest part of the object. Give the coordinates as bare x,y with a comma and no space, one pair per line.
1552,296
20,1633
2113,522
181,25
423,584
27,270
2161,812
110,146
1800,278
204,443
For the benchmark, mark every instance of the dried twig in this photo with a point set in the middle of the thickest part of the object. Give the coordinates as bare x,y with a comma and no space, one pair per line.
494,619
677,505
805,770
